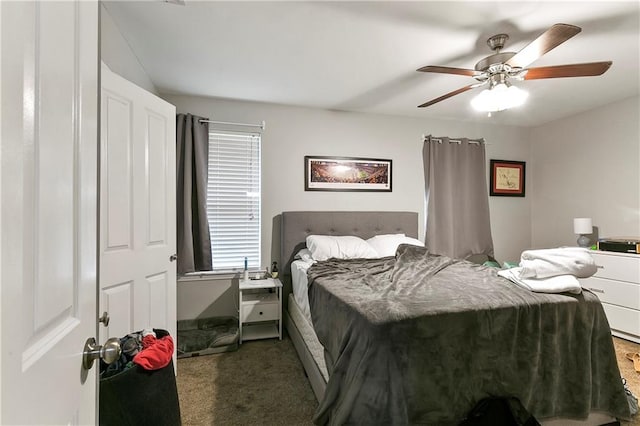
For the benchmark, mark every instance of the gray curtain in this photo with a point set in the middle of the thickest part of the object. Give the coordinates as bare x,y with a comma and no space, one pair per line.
457,199
192,156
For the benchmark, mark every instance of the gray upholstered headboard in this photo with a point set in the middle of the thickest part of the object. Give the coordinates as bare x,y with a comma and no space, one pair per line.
296,226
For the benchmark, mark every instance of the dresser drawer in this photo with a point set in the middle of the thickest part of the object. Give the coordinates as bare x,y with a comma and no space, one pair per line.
623,319
615,292
260,312
616,267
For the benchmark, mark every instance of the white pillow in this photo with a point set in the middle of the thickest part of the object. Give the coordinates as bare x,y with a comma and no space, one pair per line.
387,244
304,254
411,241
324,247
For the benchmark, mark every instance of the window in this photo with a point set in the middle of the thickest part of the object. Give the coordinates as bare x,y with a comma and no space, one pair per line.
233,199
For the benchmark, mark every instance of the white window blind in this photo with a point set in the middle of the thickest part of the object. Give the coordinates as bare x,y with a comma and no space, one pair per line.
233,199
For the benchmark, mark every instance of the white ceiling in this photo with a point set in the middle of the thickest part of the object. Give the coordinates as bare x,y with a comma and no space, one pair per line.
362,56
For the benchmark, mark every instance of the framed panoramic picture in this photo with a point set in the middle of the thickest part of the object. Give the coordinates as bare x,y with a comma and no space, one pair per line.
507,178
346,174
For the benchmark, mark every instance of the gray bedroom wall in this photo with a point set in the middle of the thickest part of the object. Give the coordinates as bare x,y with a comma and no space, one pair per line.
117,54
587,165
291,133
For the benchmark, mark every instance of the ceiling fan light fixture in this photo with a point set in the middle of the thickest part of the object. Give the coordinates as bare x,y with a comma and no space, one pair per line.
499,97
498,69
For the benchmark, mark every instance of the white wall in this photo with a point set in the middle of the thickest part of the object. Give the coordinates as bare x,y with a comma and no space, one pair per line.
205,298
117,54
587,165
291,133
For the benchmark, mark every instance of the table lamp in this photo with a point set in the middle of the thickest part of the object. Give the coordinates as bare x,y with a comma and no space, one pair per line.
583,227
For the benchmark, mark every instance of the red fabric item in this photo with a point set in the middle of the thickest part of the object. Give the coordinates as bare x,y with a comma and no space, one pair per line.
155,353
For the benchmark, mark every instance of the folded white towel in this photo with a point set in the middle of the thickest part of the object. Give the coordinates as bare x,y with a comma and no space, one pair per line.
557,284
559,261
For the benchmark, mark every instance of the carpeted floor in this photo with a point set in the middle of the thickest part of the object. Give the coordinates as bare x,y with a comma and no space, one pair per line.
627,371
263,383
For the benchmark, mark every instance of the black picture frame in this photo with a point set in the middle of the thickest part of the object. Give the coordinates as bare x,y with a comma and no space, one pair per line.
507,178
349,174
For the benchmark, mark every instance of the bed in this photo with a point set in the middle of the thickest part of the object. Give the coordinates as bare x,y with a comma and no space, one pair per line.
349,387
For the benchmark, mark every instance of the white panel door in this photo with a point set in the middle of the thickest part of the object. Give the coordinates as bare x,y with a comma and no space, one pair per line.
49,212
138,213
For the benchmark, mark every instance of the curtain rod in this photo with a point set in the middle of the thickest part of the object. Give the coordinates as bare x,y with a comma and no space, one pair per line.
458,141
261,125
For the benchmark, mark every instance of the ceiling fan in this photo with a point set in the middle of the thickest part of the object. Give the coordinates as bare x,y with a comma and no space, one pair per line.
498,70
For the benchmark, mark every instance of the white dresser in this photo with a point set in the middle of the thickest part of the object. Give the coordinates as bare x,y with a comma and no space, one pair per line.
617,284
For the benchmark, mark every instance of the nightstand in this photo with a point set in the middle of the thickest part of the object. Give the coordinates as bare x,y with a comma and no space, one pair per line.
260,309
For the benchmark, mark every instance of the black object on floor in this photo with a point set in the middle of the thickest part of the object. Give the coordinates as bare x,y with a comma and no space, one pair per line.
207,336
496,411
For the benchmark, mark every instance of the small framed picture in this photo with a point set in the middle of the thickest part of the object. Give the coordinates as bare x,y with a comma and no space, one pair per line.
346,174
507,178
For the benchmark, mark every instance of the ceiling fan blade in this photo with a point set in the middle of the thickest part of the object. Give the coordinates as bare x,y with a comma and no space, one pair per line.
449,70
448,95
571,70
553,37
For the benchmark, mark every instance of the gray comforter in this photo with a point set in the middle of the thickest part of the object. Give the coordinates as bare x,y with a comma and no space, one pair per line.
419,339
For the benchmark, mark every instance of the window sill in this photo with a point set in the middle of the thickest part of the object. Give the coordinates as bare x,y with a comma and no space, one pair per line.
215,275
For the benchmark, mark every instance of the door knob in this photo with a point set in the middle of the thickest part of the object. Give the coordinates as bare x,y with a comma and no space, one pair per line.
104,319
173,257
109,352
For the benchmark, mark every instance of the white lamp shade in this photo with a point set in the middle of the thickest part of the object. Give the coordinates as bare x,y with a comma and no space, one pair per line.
582,225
